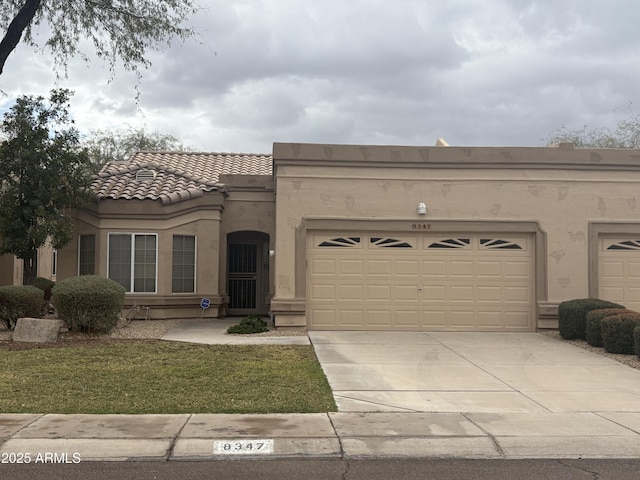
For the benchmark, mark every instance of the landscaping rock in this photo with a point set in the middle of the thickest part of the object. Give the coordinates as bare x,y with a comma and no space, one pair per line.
37,330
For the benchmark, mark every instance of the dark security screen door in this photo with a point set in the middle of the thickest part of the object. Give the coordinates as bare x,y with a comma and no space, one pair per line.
243,275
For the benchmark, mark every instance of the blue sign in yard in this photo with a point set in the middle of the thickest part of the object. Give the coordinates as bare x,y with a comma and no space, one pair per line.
205,303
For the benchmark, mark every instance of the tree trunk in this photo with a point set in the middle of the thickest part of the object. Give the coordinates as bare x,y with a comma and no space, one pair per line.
17,26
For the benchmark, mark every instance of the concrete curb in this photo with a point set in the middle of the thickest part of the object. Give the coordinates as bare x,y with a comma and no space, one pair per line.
75,438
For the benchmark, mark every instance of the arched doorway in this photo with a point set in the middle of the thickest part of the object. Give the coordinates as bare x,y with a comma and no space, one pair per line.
248,273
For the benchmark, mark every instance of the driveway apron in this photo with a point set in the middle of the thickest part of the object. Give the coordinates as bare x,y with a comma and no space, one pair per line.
471,373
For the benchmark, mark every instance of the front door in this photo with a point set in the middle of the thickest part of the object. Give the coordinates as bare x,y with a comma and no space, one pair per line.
247,273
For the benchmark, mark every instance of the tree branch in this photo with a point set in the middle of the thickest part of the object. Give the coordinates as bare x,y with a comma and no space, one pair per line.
17,26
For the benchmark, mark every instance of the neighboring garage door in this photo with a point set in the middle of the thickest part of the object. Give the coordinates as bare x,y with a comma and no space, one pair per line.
382,281
619,271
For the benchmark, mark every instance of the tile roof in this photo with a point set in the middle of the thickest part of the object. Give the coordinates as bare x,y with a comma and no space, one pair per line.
178,176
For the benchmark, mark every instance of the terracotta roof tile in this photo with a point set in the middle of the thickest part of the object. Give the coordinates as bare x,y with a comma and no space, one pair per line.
178,175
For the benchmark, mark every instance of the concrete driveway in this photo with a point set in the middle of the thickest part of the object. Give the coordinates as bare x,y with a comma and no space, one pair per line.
472,373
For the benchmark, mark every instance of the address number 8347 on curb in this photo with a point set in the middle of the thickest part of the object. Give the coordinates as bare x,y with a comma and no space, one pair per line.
243,447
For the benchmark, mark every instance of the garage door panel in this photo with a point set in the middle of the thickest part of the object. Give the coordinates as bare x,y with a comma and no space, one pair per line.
351,317
351,267
323,317
434,293
407,268
434,268
379,267
410,284
379,292
489,294
518,320
514,294
461,268
407,318
379,318
516,269
633,271
461,293
405,292
619,270
350,292
491,269
612,269
491,319
612,293
323,266
461,318
432,318
323,292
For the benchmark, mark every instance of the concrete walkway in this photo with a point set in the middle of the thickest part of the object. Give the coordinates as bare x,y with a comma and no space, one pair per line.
213,332
400,395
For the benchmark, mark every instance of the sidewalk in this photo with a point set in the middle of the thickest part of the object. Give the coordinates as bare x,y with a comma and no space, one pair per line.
332,435
574,416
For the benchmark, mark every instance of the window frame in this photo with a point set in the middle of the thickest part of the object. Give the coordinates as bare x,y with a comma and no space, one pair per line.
195,262
132,265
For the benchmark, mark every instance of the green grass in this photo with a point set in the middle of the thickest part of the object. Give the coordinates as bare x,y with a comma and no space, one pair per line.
144,378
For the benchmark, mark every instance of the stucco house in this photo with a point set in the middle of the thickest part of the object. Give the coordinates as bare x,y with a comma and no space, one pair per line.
367,237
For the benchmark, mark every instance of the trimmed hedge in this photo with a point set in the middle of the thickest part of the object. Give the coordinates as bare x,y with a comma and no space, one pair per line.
617,332
572,316
89,303
594,320
636,341
18,301
249,324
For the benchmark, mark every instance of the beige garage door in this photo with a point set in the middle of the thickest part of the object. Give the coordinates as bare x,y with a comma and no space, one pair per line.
365,281
619,271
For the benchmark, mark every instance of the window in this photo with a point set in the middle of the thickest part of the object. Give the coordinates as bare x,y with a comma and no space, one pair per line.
87,255
133,260
54,262
184,264
341,242
451,243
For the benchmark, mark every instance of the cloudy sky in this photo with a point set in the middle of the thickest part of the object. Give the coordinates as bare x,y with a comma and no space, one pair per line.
401,72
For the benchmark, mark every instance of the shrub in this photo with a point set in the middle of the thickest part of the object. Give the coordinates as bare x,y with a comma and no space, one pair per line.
45,285
89,303
572,315
617,332
249,324
593,332
17,301
636,341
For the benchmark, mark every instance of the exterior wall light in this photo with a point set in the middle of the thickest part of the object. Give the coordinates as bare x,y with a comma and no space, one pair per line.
422,209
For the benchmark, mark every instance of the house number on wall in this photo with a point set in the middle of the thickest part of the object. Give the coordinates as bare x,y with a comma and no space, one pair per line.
421,226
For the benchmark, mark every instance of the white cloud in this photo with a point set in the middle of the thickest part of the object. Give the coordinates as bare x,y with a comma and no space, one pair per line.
483,72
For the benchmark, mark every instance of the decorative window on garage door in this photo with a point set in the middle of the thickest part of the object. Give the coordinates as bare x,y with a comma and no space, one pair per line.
341,242
495,243
625,245
386,242
451,243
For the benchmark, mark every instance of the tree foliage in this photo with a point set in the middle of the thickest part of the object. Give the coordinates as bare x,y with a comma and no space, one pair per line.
43,172
122,30
625,135
118,145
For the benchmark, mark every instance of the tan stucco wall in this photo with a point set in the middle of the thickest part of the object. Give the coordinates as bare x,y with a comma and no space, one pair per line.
11,268
562,191
200,217
249,205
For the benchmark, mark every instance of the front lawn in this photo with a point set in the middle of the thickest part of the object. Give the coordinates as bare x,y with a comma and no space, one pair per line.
158,377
